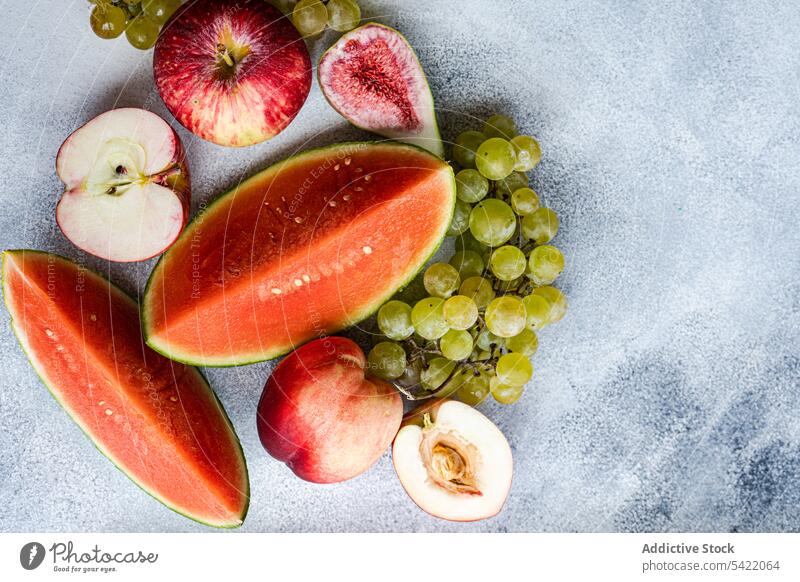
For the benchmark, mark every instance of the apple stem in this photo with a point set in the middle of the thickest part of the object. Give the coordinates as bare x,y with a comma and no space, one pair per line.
226,56
232,55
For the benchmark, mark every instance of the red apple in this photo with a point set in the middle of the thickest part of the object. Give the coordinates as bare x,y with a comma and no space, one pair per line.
321,416
126,182
234,72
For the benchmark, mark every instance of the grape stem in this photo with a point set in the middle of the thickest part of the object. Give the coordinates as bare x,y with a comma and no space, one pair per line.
419,392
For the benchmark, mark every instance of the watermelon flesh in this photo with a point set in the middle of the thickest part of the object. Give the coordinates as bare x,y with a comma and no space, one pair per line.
157,420
305,248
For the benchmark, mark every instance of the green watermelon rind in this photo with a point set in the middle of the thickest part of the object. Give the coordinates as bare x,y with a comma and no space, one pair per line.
434,123
42,377
254,358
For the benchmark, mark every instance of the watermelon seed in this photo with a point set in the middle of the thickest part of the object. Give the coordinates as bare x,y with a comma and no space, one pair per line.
298,283
347,161
367,250
109,412
276,291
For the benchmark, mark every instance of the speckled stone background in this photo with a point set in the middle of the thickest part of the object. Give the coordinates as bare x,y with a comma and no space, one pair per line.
667,400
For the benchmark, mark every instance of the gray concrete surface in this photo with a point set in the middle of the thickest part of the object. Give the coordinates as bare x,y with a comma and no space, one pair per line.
667,400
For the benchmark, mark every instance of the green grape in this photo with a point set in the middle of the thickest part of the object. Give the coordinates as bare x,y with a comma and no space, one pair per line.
508,263
465,146
309,17
500,126
160,10
142,33
546,264
427,317
467,242
503,393
107,21
487,341
455,382
456,344
557,301
467,263
410,377
505,316
343,15
492,222
495,158
436,373
525,201
441,280
514,369
471,186
460,312
478,289
460,220
540,226
284,6
537,310
394,320
387,360
506,286
528,153
474,389
525,342
132,9
514,181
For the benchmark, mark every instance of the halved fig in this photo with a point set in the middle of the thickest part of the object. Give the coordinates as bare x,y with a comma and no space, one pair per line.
373,78
457,465
127,191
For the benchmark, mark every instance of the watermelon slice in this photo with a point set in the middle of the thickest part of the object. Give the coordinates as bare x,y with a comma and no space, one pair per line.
306,247
157,420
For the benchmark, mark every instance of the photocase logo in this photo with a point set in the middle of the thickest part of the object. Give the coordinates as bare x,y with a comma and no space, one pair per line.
31,555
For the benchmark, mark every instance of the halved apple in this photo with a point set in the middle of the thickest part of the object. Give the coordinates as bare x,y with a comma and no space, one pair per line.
127,190
457,465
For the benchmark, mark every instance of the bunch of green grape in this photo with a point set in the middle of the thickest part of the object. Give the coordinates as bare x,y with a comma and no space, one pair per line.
310,17
474,333
141,20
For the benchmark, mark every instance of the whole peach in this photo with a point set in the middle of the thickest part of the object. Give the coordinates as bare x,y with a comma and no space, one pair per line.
323,417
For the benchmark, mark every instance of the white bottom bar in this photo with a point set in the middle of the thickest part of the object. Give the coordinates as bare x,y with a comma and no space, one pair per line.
407,557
